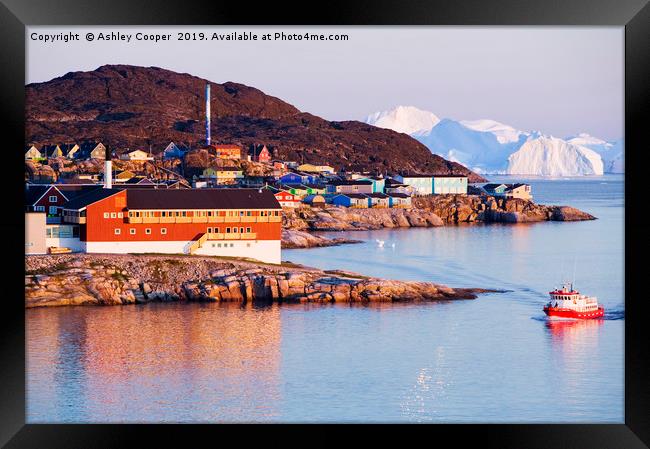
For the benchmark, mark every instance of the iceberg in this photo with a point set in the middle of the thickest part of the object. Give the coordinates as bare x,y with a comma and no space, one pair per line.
491,147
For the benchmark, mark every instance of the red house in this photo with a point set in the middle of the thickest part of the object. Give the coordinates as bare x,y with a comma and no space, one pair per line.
287,199
261,154
44,198
218,222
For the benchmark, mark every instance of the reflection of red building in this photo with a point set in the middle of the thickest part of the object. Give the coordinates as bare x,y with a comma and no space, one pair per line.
136,364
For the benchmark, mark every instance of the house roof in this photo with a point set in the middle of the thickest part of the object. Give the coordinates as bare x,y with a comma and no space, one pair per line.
225,147
123,172
72,191
173,147
514,186
202,199
416,175
492,186
353,182
398,195
138,180
272,188
35,193
377,195
293,186
312,198
89,197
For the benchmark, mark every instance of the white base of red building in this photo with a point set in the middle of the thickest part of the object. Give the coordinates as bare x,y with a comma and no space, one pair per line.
75,245
263,250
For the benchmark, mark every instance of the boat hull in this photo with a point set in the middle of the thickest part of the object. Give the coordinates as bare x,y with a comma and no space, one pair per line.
557,312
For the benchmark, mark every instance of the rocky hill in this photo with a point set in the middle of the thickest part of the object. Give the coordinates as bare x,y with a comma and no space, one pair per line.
134,107
435,210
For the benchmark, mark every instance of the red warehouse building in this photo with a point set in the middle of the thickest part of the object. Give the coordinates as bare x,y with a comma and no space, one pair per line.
217,222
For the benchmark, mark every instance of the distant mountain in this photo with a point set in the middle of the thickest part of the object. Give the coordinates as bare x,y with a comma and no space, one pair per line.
134,107
487,146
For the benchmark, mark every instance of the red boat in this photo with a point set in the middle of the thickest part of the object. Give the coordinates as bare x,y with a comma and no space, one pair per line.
568,303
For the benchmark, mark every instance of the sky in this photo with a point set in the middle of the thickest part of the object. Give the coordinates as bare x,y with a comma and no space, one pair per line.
557,80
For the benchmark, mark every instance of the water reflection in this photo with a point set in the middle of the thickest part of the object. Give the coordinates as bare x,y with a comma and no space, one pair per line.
151,359
574,333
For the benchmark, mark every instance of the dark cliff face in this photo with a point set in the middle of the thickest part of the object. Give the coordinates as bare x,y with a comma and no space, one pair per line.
134,107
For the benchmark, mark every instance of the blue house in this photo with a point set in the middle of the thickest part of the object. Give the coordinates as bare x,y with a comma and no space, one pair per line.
173,151
358,200
495,189
290,178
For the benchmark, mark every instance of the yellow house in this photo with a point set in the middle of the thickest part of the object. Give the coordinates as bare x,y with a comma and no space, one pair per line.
136,155
223,175
123,176
310,168
522,191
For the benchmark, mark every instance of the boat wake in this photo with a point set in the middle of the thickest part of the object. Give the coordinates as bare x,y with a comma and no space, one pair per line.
614,314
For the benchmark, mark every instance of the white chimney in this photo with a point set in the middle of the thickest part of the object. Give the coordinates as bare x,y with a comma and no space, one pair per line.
207,114
108,170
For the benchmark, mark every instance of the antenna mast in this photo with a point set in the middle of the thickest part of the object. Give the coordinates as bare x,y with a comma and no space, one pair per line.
574,272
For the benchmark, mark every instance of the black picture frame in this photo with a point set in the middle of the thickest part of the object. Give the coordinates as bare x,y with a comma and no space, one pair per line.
634,15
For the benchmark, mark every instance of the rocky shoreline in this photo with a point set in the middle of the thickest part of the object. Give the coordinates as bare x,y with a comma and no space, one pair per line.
439,210
293,238
96,279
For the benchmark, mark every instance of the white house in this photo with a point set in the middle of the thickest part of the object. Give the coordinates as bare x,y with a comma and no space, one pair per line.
32,153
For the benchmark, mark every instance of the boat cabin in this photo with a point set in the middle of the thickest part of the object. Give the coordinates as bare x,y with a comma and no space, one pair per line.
568,298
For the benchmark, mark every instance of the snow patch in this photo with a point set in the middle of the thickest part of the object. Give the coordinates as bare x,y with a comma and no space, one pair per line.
503,133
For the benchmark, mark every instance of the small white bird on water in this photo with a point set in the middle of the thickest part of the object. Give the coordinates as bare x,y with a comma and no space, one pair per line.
380,243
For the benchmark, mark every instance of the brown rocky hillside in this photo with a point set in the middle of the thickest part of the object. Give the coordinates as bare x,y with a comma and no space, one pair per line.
134,107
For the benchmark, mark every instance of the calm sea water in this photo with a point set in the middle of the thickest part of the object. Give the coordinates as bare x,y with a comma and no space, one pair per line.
494,359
